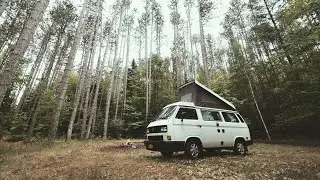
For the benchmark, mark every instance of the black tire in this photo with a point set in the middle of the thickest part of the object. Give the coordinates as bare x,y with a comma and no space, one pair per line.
193,149
240,148
167,154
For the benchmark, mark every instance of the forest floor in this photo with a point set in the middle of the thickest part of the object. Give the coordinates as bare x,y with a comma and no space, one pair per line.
103,160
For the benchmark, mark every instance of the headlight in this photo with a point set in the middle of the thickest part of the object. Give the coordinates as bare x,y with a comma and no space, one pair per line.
164,129
147,130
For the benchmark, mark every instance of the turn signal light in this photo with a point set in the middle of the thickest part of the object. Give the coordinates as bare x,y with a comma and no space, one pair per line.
169,138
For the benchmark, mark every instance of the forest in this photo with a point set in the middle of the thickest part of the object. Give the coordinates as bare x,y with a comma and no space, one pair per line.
68,70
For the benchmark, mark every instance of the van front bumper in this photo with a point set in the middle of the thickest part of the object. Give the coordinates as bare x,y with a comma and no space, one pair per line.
164,146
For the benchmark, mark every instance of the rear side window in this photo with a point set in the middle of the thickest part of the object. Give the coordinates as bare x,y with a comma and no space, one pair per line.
230,117
187,113
240,117
210,115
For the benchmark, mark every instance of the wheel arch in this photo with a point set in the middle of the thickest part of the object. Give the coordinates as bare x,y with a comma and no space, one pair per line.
238,138
194,138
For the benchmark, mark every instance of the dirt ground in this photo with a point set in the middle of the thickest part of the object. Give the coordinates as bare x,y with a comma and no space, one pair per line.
102,160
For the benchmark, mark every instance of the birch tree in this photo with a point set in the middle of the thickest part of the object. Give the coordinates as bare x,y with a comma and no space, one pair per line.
17,52
204,9
35,66
175,19
128,22
60,97
120,6
189,4
107,32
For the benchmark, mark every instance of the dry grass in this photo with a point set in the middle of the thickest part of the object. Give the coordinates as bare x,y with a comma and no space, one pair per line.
100,160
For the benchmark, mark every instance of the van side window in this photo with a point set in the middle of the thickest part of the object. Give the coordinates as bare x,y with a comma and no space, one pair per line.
187,113
210,115
230,117
240,117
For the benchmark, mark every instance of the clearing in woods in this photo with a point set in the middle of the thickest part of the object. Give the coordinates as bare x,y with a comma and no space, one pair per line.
102,160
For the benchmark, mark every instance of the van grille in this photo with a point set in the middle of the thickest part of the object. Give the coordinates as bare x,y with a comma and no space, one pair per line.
155,138
155,129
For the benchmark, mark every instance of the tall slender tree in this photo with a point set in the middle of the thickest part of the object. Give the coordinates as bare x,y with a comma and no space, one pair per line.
205,8
120,6
17,52
60,96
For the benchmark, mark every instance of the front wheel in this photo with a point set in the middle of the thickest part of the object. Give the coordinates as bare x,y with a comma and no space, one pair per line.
193,149
167,154
240,148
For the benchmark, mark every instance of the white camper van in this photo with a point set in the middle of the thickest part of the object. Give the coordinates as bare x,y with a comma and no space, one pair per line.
182,126
202,120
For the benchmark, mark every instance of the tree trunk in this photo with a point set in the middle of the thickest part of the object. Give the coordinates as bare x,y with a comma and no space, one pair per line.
44,84
126,71
146,59
150,61
192,64
106,120
16,53
96,93
278,34
256,104
78,94
12,31
58,67
87,91
35,67
203,49
60,98
118,90
243,51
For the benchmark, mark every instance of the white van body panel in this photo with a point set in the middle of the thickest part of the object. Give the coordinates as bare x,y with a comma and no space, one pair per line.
213,133
183,129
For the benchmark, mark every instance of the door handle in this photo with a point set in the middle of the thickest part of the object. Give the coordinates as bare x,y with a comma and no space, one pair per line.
199,126
217,124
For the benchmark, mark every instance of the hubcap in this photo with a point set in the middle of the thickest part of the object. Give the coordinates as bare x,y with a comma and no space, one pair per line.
240,148
194,150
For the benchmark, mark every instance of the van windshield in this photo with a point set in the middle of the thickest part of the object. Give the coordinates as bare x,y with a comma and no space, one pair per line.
166,113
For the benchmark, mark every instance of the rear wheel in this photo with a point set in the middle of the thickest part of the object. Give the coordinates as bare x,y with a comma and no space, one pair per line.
240,148
167,154
193,149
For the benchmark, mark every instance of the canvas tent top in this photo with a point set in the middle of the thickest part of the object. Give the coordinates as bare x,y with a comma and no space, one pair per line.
201,93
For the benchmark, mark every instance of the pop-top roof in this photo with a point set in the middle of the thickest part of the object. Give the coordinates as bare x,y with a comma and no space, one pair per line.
210,91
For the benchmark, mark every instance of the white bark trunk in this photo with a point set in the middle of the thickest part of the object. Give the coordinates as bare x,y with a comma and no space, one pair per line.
106,120
192,63
35,68
146,59
43,85
203,49
59,65
78,94
87,91
96,93
126,71
150,61
118,83
8,72
67,71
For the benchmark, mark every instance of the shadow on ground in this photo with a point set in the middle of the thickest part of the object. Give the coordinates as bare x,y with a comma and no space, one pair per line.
182,156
